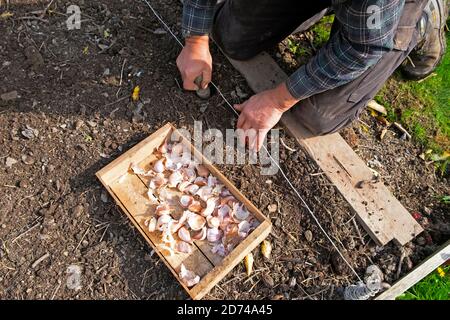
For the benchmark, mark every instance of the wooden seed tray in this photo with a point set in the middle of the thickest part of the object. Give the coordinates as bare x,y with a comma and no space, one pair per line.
130,193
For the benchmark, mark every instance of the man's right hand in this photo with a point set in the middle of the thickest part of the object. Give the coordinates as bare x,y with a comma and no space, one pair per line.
195,60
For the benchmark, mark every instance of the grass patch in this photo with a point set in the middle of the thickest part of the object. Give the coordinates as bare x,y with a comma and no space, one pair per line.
422,107
435,286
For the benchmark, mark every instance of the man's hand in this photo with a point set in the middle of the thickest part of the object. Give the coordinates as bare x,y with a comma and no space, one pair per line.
261,113
195,60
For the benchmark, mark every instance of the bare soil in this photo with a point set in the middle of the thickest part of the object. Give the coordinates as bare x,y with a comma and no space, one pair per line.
72,115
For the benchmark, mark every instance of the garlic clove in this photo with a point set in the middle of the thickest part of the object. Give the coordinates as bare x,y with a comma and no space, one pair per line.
184,234
196,222
200,235
213,234
202,170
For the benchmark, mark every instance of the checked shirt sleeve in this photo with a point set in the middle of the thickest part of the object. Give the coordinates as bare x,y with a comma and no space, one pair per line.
197,17
365,31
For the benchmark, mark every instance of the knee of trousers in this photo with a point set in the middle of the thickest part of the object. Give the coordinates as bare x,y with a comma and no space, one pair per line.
233,48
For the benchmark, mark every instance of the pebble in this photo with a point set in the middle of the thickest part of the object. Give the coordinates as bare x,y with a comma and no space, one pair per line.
272,208
268,280
308,235
92,124
77,211
104,197
23,184
10,162
109,279
9,96
79,124
29,132
293,282
3,226
27,160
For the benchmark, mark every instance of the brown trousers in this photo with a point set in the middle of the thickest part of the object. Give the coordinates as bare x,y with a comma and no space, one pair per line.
242,35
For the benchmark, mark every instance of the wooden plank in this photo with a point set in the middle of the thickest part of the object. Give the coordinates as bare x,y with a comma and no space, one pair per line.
380,213
418,273
119,166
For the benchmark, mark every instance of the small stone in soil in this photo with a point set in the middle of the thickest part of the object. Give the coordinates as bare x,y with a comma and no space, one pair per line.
27,160
272,208
292,282
29,132
77,211
268,280
104,197
8,96
10,162
308,235
78,124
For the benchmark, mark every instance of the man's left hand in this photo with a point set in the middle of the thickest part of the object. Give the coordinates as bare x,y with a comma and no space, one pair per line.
261,113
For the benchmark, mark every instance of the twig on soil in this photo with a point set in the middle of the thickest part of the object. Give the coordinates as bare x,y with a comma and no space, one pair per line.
9,186
357,230
44,12
38,261
103,235
32,18
288,148
121,77
56,290
251,289
27,197
117,101
24,233
400,262
400,127
82,238
316,174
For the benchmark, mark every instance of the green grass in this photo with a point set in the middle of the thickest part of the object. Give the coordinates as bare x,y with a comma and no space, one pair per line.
432,287
321,31
422,107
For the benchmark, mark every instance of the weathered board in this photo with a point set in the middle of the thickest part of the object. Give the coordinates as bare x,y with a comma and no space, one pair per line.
418,273
130,193
379,212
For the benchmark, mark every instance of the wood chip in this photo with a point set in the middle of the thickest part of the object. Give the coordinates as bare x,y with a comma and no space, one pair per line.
377,107
308,235
38,261
400,127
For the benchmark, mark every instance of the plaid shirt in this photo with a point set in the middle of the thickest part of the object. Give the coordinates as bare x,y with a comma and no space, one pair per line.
359,42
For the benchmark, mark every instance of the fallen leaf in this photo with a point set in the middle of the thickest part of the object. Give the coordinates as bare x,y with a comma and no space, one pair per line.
135,95
111,80
86,50
6,15
383,133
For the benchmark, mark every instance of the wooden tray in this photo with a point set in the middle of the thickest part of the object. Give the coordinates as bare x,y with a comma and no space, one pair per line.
130,193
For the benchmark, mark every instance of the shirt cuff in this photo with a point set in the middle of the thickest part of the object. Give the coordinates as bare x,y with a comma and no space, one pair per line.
300,85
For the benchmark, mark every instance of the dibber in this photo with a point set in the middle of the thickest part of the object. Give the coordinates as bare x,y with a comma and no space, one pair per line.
202,93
